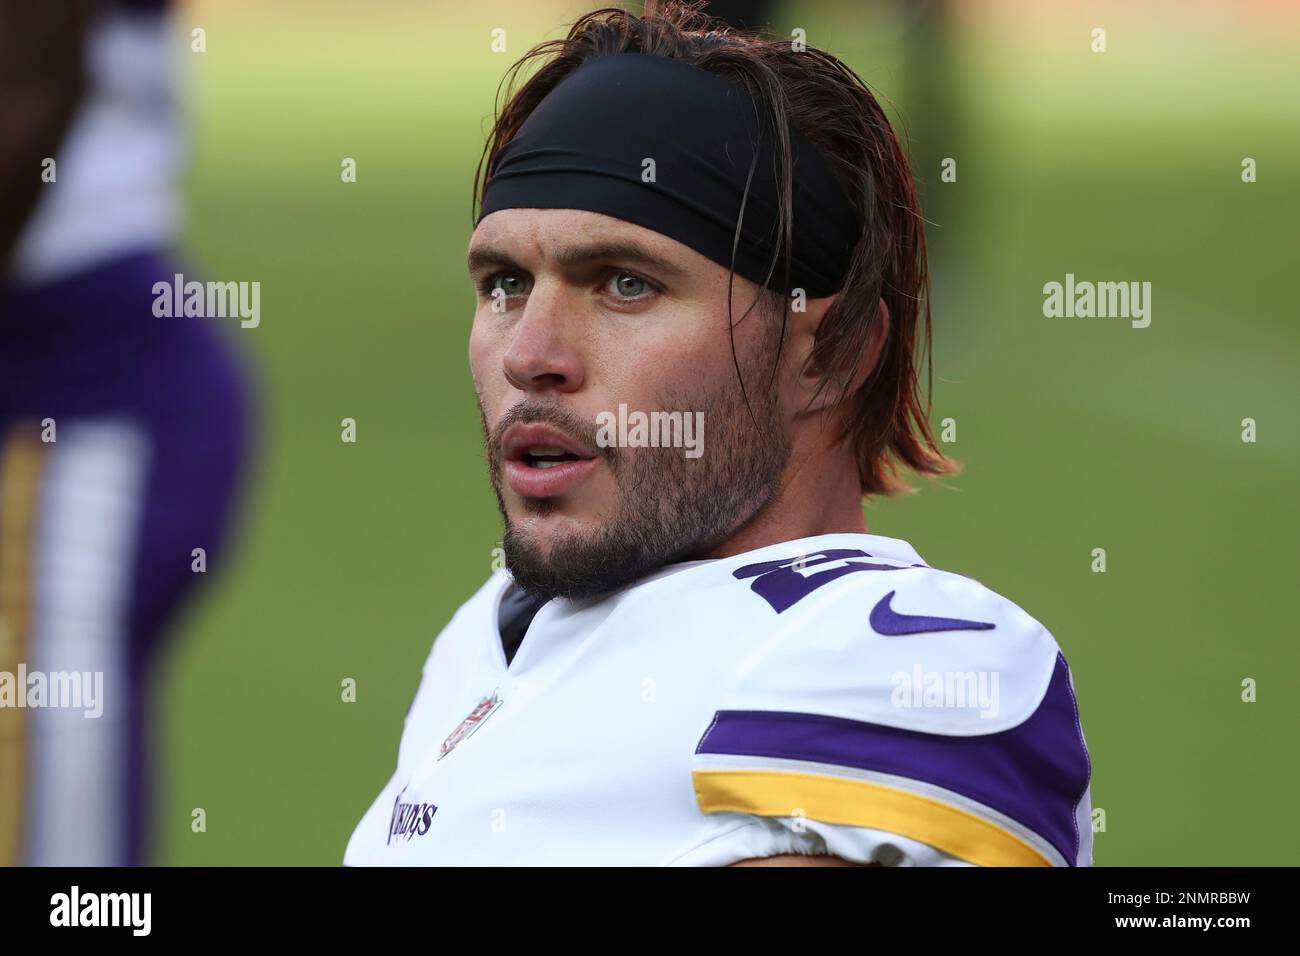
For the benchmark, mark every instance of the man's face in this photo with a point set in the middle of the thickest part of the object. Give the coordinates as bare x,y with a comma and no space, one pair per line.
578,314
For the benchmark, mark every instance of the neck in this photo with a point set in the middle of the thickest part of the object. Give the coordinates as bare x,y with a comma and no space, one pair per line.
815,497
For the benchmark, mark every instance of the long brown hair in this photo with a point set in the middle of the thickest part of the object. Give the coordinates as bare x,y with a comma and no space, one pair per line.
885,418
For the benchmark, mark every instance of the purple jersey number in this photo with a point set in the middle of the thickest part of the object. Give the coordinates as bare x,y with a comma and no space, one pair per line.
784,584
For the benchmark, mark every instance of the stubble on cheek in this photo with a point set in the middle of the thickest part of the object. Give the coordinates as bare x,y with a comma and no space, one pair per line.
648,506
662,506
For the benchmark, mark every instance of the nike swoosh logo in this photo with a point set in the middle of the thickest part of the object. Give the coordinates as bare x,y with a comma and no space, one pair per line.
885,620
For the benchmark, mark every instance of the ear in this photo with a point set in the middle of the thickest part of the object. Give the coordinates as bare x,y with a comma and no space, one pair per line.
804,331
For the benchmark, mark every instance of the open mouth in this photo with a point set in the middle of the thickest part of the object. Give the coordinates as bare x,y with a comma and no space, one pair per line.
546,456
545,462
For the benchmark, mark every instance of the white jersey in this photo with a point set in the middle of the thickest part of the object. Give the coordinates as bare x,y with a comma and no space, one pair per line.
830,695
117,187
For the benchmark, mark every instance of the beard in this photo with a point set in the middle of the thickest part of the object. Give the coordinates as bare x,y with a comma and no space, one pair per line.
667,508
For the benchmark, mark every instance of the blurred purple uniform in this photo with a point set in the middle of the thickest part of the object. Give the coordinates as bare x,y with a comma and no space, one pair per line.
99,532
121,439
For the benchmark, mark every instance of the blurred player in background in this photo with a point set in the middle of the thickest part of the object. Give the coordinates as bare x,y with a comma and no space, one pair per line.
121,432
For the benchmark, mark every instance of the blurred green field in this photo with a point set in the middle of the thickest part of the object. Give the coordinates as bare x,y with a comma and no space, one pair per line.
1076,433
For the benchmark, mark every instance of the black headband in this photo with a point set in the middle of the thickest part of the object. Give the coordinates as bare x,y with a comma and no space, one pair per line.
584,146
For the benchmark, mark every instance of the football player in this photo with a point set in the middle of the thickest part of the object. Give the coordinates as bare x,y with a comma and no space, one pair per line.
122,434
701,308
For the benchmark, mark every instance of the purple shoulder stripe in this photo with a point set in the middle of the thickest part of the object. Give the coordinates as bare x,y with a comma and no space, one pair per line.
1035,773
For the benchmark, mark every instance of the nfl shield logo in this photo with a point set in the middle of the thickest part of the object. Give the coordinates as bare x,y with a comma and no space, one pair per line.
481,712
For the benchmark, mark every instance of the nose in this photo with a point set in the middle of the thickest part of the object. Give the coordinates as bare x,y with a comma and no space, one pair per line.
541,355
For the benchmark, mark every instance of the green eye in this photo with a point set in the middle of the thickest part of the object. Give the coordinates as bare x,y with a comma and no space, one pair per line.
508,283
630,286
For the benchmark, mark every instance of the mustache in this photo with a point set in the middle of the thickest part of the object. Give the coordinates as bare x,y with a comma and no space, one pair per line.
566,420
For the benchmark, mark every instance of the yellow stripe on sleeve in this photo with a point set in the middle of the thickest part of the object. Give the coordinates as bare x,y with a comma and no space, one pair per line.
859,803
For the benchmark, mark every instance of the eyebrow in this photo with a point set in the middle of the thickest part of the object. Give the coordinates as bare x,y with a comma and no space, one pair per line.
487,255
